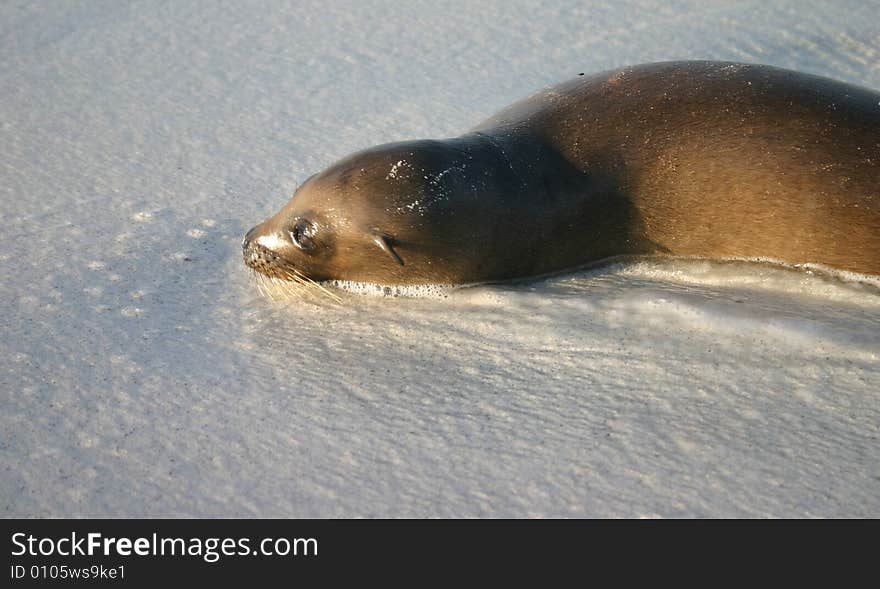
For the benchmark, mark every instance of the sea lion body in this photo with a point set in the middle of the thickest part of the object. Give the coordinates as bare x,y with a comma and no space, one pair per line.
706,159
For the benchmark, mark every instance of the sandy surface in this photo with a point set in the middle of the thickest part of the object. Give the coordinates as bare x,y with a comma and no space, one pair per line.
143,374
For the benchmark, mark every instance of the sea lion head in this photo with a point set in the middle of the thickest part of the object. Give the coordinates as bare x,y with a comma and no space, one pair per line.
396,214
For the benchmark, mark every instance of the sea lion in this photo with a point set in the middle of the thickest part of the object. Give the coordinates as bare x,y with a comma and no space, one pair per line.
702,159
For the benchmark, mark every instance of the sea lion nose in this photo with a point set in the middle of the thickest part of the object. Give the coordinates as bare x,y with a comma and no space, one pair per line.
248,238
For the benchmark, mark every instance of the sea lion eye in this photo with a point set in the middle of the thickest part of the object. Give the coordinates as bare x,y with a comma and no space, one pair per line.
303,235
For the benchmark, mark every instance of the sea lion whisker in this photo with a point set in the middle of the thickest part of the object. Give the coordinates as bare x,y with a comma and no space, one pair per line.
324,290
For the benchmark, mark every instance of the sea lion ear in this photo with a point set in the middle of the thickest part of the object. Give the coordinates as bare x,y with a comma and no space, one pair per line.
386,244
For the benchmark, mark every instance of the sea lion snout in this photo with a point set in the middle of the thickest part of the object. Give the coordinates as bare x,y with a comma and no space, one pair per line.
248,240
264,236
260,248
253,253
